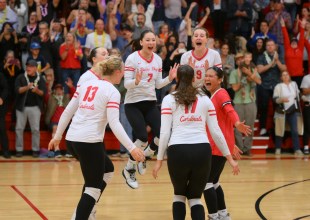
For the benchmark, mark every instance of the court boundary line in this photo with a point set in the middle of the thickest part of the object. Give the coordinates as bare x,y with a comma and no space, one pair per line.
45,160
29,202
258,201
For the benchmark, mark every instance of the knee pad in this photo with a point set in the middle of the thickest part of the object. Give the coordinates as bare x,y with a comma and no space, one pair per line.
107,177
93,192
216,185
140,143
209,186
179,198
193,202
156,141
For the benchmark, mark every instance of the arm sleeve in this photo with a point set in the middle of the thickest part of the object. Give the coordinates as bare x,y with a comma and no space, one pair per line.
129,76
115,125
285,38
218,60
215,130
227,108
165,129
67,115
231,113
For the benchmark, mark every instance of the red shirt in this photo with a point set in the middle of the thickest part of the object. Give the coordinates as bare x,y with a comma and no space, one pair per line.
227,117
307,46
72,60
56,116
294,56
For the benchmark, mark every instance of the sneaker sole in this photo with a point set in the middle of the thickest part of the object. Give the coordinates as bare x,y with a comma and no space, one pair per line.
127,182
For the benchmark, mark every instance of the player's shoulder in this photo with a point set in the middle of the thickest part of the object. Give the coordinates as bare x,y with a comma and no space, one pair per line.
212,51
132,57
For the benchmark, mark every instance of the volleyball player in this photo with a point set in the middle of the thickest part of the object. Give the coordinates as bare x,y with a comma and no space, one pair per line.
201,57
96,55
184,115
227,120
94,104
143,73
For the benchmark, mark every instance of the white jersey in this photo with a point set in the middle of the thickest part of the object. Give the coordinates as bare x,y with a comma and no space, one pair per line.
305,84
87,76
213,57
182,125
151,77
94,105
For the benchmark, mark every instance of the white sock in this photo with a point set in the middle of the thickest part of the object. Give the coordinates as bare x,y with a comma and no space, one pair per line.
131,164
306,147
213,216
141,144
222,212
148,152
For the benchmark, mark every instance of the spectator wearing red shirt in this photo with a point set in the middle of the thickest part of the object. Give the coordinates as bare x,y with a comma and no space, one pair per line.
294,52
70,54
307,46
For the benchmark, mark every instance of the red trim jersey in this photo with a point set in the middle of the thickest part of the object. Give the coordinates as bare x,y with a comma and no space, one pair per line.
187,125
151,77
213,57
227,117
94,105
88,75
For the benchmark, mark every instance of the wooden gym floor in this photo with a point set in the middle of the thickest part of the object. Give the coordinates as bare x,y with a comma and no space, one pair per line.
267,188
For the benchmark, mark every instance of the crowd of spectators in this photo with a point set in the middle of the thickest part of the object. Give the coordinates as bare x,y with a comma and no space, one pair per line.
59,36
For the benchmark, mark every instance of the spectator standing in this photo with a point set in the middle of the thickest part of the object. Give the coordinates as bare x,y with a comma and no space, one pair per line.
140,27
7,15
21,11
294,52
273,17
99,38
173,13
56,105
218,11
30,31
287,94
11,69
4,142
48,9
8,39
58,32
158,17
30,89
70,54
305,87
240,17
269,66
35,55
74,13
263,34
138,7
243,81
